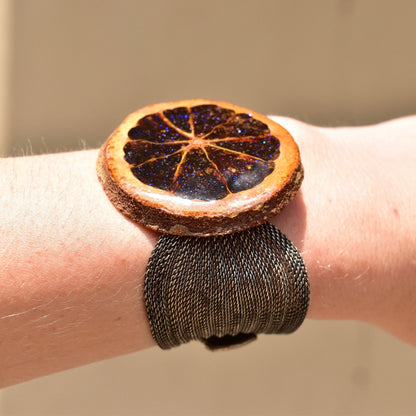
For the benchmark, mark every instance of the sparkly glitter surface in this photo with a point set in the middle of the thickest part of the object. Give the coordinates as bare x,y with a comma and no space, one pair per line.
155,129
158,172
141,151
179,117
240,125
266,147
204,152
240,171
197,179
207,117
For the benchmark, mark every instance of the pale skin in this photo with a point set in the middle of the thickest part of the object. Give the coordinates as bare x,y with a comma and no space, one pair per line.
72,266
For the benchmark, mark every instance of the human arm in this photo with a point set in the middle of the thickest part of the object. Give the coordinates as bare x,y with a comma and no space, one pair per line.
71,266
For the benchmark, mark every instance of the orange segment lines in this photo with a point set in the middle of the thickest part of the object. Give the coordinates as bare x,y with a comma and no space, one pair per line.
178,168
180,131
152,159
241,154
216,168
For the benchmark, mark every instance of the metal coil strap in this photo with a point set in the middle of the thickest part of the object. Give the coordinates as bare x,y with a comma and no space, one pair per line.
223,290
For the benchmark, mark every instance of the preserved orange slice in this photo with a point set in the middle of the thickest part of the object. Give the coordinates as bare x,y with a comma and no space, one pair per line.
199,167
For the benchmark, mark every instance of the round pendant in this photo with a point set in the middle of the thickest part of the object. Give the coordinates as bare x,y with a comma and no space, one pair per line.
199,167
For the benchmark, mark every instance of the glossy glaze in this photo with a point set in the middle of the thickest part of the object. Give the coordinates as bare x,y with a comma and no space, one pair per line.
204,152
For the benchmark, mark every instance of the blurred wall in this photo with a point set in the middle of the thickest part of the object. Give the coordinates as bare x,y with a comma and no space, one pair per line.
73,69
5,58
78,67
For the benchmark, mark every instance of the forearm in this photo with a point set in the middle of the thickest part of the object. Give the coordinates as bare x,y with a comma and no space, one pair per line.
72,266
360,235
71,269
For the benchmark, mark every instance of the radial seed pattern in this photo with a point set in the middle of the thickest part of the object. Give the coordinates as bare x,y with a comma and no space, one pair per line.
203,152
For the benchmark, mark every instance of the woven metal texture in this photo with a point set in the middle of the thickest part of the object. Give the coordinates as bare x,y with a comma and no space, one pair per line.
224,290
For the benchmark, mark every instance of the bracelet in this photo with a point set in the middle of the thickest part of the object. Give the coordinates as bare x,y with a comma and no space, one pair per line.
224,290
209,175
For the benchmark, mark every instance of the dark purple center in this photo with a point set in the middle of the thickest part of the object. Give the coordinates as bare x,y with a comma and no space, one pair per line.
204,152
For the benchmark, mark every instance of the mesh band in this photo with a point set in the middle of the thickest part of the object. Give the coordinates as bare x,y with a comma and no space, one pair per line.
224,290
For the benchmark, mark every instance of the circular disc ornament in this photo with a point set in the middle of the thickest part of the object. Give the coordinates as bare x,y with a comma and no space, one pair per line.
199,167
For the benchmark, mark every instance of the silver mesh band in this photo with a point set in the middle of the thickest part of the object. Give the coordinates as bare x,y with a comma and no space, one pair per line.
224,290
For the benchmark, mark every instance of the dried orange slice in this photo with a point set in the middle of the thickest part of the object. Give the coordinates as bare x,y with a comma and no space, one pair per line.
199,167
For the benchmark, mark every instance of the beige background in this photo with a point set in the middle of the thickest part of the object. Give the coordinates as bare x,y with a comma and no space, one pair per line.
71,70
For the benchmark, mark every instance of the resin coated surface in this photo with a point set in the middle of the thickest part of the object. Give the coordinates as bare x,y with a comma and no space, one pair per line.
205,152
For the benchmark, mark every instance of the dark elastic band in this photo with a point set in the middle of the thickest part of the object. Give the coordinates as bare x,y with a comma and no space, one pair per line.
224,290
